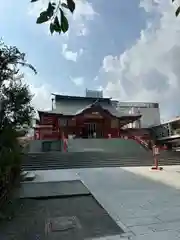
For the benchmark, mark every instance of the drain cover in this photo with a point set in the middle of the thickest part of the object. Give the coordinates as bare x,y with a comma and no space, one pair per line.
62,224
65,227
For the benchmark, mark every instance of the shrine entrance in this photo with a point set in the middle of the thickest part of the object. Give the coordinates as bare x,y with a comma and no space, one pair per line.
91,129
93,125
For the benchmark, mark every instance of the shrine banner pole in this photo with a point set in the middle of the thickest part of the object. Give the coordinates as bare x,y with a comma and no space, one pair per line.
155,156
65,142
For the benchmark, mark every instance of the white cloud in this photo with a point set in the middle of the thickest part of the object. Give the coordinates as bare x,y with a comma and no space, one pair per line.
69,55
84,10
42,96
79,81
83,14
96,78
41,91
150,69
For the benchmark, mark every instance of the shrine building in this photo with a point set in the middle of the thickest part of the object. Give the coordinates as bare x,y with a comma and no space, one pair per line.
86,117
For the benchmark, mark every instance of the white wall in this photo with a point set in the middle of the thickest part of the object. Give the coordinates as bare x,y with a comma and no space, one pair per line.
150,116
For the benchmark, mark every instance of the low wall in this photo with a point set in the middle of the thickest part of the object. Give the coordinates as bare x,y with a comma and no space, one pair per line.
53,189
45,145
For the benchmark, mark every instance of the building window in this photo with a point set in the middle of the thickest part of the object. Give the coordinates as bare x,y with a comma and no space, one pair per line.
155,105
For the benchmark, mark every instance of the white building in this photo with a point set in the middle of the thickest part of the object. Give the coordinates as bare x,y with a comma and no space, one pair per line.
150,112
94,93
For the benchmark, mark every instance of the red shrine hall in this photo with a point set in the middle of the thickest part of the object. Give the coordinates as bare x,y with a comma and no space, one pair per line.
84,117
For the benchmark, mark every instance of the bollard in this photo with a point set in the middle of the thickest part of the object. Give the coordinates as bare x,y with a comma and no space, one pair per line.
65,144
155,155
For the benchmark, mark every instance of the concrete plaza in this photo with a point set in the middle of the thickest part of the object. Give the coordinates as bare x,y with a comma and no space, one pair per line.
145,203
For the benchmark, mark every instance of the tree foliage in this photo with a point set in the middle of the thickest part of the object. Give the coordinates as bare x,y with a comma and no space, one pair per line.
55,15
178,8
10,60
15,98
15,106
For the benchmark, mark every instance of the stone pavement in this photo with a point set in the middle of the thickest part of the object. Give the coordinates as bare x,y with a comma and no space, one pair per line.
146,204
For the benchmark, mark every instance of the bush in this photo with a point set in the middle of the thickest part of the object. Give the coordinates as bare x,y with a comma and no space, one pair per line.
10,151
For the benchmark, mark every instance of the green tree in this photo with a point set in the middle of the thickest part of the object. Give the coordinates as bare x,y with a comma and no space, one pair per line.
16,111
55,15
15,98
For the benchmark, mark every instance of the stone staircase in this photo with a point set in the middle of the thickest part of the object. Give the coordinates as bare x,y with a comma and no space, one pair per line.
45,161
125,147
126,153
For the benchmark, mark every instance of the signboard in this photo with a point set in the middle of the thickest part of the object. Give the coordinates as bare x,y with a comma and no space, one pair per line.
95,115
47,120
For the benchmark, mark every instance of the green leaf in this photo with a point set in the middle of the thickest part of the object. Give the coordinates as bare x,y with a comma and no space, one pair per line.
42,18
51,28
64,5
177,11
57,26
34,0
50,10
64,22
46,15
71,5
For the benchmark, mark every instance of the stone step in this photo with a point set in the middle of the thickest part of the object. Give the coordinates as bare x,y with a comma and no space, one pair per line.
92,153
93,162
32,168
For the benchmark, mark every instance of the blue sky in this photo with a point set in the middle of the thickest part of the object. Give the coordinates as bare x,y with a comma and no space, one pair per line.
113,29
118,46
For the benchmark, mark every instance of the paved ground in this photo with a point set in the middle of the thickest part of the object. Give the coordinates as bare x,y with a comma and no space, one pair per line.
145,203
81,216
